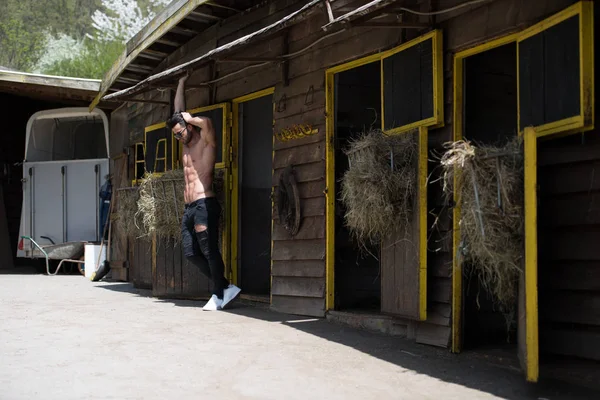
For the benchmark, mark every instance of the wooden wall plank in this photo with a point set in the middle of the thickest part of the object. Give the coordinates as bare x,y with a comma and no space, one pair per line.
310,228
573,210
571,307
570,275
302,268
284,250
570,245
298,286
310,208
571,342
314,307
306,154
304,173
434,335
570,178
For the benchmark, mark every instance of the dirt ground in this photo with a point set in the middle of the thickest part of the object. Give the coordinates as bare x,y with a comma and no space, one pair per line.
64,337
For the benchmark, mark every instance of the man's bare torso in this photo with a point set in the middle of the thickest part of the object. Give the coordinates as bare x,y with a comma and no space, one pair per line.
198,168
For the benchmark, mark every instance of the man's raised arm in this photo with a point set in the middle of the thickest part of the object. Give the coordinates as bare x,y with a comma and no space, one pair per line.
180,94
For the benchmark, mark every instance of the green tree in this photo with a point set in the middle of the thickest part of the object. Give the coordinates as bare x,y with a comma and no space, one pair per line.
93,62
22,39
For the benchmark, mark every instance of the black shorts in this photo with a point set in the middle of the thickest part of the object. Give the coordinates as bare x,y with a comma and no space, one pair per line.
200,212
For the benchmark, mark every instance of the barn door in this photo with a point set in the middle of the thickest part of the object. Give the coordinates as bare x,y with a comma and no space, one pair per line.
404,255
528,293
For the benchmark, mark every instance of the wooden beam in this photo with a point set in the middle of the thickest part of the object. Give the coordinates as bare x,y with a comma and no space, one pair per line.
202,17
217,5
329,11
405,25
248,59
285,65
301,14
361,11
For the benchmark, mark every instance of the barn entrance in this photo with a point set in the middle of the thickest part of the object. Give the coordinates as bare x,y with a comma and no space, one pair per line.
251,241
357,105
489,115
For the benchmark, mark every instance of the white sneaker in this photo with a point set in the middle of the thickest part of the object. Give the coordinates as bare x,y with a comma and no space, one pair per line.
213,304
230,293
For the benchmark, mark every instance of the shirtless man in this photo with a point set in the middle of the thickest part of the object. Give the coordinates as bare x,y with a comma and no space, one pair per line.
200,223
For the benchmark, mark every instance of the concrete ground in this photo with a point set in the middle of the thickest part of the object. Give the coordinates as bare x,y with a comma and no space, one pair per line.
64,337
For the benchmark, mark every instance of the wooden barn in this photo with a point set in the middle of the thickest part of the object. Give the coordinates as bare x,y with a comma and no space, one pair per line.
289,84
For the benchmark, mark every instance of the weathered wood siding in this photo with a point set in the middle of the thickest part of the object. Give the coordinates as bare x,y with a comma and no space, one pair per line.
569,255
174,276
140,263
298,267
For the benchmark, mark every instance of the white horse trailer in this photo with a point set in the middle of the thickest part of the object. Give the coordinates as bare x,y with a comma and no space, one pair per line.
66,162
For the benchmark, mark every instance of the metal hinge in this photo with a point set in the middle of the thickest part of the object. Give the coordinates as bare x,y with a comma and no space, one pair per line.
230,154
230,182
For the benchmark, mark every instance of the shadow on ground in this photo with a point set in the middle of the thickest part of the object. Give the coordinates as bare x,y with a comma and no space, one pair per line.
469,370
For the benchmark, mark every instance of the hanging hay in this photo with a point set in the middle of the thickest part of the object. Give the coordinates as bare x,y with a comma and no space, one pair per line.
379,185
126,210
490,187
161,204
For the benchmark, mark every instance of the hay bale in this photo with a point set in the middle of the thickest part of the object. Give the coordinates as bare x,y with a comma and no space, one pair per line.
161,203
126,210
379,186
489,182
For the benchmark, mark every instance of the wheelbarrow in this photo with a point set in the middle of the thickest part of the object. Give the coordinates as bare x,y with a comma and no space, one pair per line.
65,252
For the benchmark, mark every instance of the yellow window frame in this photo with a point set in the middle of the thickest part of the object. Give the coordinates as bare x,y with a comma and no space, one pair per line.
585,120
174,162
437,119
137,161
162,141
225,141
458,125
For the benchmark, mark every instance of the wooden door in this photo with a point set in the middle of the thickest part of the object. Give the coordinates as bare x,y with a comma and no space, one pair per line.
404,259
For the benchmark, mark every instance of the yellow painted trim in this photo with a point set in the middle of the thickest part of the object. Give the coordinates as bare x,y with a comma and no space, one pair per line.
423,150
153,257
585,120
137,161
481,48
531,255
459,58
235,132
437,119
254,95
330,189
456,264
164,157
174,162
353,64
429,122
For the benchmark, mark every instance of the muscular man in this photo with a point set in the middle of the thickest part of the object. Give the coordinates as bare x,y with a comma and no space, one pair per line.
200,223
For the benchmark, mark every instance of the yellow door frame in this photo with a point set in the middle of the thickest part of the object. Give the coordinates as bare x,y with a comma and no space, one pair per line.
459,59
531,256
330,73
234,159
330,174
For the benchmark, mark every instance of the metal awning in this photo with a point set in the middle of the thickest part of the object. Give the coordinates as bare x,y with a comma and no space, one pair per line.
76,91
174,26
